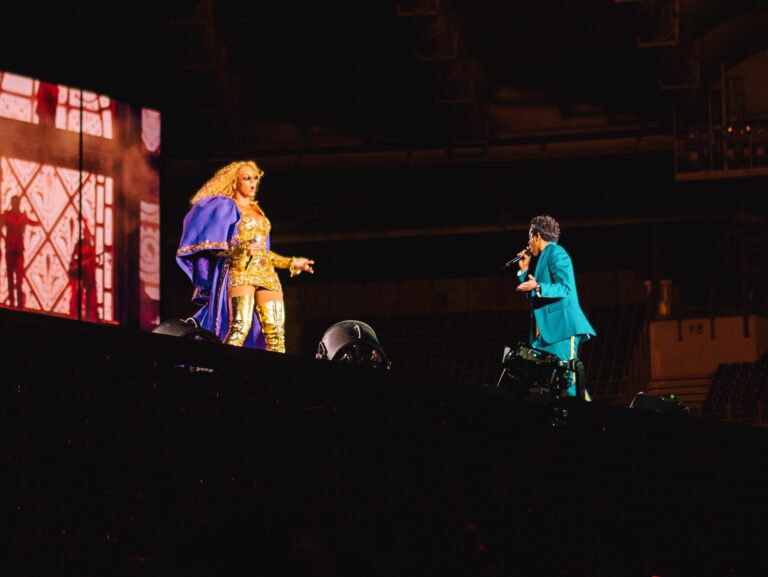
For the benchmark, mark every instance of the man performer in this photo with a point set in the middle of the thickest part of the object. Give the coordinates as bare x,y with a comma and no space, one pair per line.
558,325
15,221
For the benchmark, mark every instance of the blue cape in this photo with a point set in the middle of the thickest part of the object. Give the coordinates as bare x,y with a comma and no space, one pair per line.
209,228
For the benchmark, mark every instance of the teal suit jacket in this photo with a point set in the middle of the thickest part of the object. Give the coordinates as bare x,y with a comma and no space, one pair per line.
555,307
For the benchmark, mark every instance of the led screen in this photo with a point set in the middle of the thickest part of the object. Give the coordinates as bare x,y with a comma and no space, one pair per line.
79,204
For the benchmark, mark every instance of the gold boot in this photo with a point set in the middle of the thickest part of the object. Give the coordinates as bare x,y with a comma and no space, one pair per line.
240,319
272,319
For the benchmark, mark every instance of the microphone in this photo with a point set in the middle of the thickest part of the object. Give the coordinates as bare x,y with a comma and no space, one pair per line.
526,252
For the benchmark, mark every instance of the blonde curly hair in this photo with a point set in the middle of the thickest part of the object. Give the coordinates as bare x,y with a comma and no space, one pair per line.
223,182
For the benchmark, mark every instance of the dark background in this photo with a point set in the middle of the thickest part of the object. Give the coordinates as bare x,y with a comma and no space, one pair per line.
398,147
419,146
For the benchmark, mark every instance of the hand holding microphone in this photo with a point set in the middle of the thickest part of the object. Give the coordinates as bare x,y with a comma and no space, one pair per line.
252,247
523,258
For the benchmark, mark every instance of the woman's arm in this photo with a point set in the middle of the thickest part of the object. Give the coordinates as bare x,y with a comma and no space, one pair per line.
296,264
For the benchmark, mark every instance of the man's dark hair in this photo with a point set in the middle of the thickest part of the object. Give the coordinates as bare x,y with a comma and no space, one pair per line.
546,227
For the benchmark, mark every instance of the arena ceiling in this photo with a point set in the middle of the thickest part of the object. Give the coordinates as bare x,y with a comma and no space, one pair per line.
280,77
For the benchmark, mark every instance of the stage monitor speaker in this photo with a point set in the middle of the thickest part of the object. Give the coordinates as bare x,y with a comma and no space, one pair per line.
186,328
660,404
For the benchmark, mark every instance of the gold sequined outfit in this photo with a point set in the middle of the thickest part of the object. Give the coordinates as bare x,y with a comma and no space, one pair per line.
257,269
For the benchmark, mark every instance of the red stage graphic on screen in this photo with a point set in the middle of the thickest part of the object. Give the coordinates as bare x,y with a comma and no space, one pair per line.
44,259
29,100
79,204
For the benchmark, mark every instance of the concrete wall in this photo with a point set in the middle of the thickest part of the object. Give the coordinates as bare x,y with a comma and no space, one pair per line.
684,355
694,347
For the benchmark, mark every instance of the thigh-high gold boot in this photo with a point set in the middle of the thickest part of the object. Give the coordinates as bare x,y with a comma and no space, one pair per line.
240,319
272,319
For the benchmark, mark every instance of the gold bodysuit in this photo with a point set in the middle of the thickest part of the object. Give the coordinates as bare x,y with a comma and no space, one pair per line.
259,269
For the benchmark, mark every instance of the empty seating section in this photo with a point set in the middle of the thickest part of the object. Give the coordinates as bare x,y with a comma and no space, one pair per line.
606,357
739,392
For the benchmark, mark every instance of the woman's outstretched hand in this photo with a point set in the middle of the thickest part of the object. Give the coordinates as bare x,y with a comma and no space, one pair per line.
303,264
